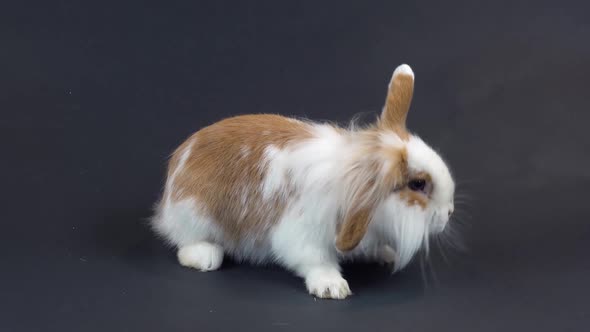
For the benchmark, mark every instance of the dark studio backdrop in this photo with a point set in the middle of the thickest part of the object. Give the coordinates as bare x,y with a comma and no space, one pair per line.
95,96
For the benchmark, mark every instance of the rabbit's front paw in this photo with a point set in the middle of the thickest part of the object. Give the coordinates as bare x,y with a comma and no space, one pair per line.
327,283
387,256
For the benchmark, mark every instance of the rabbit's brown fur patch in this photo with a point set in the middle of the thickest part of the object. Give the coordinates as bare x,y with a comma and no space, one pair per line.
224,171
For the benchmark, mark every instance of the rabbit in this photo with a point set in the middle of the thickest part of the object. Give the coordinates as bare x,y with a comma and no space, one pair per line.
265,188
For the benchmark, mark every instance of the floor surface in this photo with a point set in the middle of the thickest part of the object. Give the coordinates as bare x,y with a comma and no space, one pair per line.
94,97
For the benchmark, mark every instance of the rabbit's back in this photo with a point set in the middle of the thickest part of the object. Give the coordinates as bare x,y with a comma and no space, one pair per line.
216,178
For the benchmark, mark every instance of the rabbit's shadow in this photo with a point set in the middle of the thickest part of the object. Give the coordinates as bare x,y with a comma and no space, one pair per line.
127,236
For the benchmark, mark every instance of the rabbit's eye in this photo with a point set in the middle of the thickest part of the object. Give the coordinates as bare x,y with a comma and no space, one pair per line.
417,184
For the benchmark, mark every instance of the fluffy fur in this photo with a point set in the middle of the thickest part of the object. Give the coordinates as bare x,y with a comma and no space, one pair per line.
265,188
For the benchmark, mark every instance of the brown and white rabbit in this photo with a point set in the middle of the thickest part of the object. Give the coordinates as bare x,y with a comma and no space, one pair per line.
267,188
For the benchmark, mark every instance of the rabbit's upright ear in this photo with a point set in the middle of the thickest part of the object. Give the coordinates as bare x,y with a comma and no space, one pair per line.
399,98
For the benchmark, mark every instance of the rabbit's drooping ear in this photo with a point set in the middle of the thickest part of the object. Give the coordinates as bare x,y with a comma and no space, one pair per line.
354,228
365,200
397,104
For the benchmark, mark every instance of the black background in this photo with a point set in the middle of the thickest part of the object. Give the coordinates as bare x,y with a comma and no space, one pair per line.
94,96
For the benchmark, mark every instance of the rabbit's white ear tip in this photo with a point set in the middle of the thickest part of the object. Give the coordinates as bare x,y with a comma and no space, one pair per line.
403,70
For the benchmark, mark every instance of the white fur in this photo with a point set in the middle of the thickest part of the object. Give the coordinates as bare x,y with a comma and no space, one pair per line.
386,255
325,282
390,139
202,256
320,170
275,172
406,226
422,158
403,70
303,240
